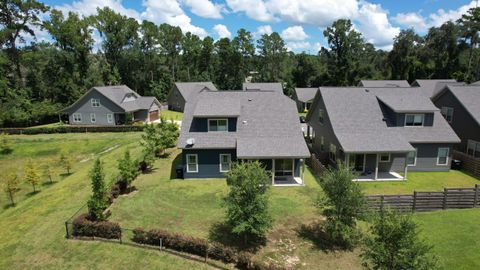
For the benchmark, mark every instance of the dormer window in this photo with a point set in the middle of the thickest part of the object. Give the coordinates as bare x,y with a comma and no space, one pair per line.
414,120
95,102
129,97
447,112
321,116
217,125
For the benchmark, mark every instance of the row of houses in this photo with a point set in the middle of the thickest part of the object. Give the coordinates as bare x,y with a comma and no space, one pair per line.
381,129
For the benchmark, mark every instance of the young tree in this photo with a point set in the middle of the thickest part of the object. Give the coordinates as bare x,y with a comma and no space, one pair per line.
10,184
5,145
150,141
48,170
342,205
66,162
247,201
394,244
168,133
31,174
128,170
98,202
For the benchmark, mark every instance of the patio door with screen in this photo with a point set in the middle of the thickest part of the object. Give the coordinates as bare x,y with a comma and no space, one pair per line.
357,162
283,168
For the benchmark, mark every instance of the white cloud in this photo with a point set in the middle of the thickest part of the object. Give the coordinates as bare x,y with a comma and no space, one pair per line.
89,7
373,23
294,33
421,23
412,20
166,11
262,30
205,8
255,9
299,46
222,31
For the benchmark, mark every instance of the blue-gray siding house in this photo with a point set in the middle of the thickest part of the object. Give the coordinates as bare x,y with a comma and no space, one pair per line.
221,127
380,132
112,105
183,92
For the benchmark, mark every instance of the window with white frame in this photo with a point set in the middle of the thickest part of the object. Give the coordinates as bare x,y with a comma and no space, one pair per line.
225,162
192,163
414,119
95,102
384,157
321,116
442,157
447,112
473,148
412,158
217,125
333,152
109,118
77,117
93,118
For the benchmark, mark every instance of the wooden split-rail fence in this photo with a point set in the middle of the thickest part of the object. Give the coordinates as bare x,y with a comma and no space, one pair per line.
449,198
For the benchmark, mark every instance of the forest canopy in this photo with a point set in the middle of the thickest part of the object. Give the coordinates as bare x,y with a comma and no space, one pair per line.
37,79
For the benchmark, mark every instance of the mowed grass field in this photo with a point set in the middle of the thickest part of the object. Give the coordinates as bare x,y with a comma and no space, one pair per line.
33,232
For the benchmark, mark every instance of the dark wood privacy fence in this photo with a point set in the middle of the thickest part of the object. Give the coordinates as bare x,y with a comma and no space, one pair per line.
316,165
449,198
470,164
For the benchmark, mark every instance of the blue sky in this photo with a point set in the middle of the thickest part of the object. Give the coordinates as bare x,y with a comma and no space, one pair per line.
300,22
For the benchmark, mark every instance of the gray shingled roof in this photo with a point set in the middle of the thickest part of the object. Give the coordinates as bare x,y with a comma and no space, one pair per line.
190,89
404,100
267,126
357,121
217,105
469,97
384,83
117,93
431,87
272,86
306,94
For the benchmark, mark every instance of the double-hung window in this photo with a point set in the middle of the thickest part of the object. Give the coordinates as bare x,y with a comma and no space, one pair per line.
225,162
109,118
447,112
322,143
95,102
77,117
414,119
321,116
333,153
412,158
93,118
473,148
217,125
192,163
442,157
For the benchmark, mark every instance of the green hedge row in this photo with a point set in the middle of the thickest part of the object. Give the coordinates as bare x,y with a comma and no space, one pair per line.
104,229
200,247
70,129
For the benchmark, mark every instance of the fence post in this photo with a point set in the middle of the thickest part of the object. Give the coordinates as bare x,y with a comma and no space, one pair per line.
475,199
445,192
66,229
121,234
414,201
160,243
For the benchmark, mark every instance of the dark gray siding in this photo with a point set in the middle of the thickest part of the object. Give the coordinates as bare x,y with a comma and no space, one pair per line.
208,162
462,123
201,124
176,102
324,129
398,119
84,107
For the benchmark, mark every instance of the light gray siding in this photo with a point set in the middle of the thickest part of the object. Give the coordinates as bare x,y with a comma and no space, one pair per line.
84,107
462,123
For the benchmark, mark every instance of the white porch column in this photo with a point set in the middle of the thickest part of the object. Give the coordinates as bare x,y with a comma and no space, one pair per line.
376,166
273,172
406,168
347,160
303,171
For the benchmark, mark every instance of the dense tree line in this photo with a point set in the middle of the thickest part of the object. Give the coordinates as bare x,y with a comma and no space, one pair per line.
39,78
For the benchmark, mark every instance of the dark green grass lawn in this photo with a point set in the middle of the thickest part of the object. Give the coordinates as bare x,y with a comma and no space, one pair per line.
32,233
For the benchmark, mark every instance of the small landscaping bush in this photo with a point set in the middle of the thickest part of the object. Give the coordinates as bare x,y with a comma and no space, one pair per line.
83,226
